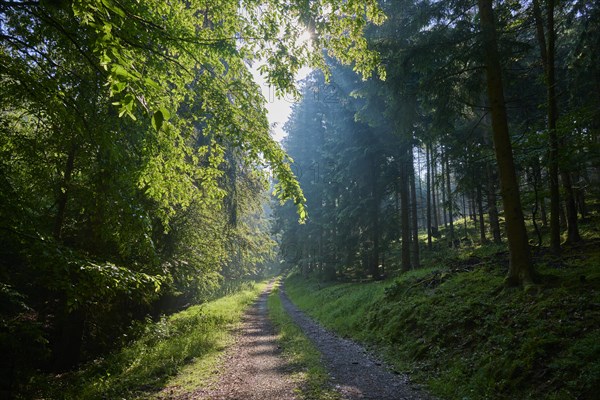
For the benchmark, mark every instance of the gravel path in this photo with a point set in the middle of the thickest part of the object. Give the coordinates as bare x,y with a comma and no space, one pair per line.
355,373
254,368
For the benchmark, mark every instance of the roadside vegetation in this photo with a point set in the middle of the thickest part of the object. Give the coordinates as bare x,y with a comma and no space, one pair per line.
455,326
300,353
175,354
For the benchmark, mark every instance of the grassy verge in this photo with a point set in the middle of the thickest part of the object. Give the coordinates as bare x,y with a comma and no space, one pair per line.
454,327
301,354
175,354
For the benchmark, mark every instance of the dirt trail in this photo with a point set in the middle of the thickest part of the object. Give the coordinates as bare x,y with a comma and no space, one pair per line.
254,368
354,372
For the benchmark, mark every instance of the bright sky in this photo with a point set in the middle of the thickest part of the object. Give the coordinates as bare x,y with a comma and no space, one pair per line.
278,109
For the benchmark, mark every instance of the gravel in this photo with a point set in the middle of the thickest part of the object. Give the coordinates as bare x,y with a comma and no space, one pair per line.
355,373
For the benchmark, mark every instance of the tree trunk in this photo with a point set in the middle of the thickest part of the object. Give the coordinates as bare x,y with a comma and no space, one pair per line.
434,207
572,227
547,52
443,190
428,165
466,217
537,172
68,346
520,266
415,256
450,203
404,212
492,208
63,195
482,237
580,195
374,265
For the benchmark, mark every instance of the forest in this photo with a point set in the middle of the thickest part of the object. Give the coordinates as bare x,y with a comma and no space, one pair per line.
433,144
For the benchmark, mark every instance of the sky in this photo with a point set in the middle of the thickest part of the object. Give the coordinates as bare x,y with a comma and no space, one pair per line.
278,109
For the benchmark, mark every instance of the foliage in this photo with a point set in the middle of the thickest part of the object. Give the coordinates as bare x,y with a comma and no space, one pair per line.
135,153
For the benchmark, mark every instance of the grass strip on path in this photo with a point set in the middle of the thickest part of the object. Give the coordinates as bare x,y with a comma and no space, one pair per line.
300,352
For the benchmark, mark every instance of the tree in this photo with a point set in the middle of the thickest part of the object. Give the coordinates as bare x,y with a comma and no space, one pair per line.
520,267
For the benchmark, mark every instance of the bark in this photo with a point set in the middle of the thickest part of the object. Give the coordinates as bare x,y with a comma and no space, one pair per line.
547,53
428,165
535,184
404,213
465,215
492,208
374,263
63,195
415,256
520,266
450,203
443,190
482,237
537,175
580,195
434,207
572,226
68,346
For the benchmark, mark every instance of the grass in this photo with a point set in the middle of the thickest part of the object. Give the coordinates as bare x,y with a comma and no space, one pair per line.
301,354
455,327
174,355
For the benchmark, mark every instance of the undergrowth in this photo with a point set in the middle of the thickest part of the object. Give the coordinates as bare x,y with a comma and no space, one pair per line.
189,342
299,351
455,327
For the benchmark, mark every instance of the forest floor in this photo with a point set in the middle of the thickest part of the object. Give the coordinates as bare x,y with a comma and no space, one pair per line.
256,365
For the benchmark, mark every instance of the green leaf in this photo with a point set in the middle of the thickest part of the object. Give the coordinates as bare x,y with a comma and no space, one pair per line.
114,8
157,120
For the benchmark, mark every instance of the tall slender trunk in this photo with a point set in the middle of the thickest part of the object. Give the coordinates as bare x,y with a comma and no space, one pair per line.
473,207
415,256
374,262
580,195
572,226
443,189
428,165
434,207
465,214
537,172
450,202
547,53
520,265
492,207
482,237
63,194
404,212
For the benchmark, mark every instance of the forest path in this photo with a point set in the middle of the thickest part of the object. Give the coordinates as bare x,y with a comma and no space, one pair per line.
253,367
354,372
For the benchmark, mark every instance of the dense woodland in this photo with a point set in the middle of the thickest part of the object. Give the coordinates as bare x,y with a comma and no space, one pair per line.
136,157
382,163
